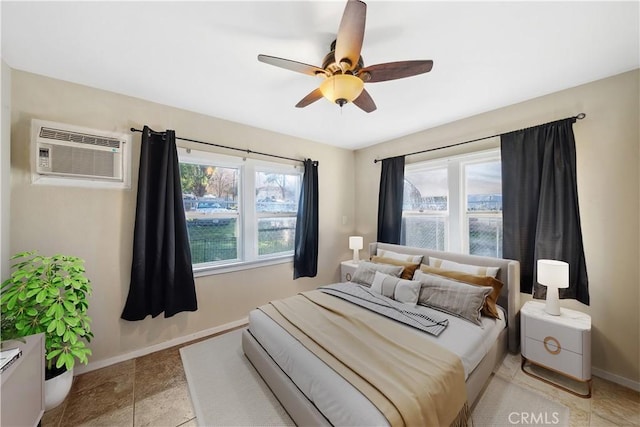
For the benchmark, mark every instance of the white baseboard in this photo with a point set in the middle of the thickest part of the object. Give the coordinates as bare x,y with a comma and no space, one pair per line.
626,382
92,366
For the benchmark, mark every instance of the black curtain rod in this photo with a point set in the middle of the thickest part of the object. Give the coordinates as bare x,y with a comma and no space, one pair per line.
580,116
223,146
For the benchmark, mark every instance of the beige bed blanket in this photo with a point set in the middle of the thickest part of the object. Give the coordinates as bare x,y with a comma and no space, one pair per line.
413,382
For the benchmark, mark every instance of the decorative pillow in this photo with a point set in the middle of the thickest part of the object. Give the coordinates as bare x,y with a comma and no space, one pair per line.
400,257
408,267
453,297
406,291
464,268
489,308
365,272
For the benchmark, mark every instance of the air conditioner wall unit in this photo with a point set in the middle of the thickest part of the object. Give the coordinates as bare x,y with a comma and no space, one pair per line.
63,154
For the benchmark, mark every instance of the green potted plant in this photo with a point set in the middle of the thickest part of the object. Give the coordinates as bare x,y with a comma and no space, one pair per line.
49,294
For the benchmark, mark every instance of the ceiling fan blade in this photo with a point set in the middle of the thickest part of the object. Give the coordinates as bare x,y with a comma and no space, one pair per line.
309,99
365,102
351,34
288,64
394,70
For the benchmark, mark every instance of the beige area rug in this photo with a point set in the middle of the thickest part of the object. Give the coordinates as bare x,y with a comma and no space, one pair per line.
506,404
226,390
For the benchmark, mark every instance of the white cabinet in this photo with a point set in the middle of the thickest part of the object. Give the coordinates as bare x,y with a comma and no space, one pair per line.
22,395
559,343
347,268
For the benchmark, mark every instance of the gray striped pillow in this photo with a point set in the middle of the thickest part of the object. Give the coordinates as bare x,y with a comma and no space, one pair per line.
406,291
451,296
366,271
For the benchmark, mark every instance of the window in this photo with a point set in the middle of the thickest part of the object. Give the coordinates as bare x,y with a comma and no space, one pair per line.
238,211
454,204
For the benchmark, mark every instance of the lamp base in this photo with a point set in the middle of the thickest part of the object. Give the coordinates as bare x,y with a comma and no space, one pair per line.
356,256
552,305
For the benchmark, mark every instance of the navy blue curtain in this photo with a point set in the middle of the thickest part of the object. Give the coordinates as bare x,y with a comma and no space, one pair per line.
541,218
305,257
161,272
390,200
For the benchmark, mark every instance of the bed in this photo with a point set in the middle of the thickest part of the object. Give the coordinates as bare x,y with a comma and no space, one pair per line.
313,393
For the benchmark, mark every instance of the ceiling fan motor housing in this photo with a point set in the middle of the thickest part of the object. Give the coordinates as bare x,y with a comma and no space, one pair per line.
332,67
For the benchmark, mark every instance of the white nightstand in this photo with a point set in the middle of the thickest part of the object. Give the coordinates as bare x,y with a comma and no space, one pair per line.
559,343
347,268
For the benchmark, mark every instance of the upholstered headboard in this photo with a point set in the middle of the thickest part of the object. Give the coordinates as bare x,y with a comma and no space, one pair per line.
509,274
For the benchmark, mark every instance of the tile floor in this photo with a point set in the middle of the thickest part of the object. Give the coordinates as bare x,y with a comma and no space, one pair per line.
152,391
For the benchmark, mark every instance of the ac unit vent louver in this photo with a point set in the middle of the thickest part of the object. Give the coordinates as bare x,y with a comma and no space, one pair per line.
62,135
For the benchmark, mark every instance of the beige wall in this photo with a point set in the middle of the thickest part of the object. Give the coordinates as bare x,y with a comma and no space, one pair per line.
5,168
608,189
97,224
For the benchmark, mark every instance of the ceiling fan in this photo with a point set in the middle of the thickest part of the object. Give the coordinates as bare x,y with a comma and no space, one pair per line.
343,68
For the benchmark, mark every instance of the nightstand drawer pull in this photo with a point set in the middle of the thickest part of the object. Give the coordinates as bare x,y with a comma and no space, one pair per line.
572,339
554,343
348,277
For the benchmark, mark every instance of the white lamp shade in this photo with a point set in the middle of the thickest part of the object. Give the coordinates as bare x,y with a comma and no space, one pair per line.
356,242
553,273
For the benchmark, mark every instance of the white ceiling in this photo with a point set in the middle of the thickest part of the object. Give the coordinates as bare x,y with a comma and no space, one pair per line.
201,56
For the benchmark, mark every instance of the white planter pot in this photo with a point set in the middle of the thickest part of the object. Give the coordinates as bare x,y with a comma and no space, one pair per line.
56,389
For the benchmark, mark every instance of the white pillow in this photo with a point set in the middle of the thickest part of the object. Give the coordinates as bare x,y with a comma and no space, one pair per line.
406,291
478,270
416,259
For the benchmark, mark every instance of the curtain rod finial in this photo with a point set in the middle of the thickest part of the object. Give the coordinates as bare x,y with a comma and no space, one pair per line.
581,116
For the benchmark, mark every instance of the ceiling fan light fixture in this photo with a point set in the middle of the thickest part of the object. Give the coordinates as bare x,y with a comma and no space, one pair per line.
342,88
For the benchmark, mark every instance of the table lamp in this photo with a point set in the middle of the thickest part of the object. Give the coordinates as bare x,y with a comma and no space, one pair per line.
355,243
553,274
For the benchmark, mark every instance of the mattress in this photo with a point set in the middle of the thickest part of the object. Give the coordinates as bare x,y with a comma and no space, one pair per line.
338,400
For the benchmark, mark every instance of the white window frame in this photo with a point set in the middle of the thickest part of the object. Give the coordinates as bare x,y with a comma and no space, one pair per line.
456,225
247,215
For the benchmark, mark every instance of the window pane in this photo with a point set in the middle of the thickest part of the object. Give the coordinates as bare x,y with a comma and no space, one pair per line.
212,239
484,208
277,195
484,187
210,198
485,236
277,192
424,231
209,183
425,190
276,235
